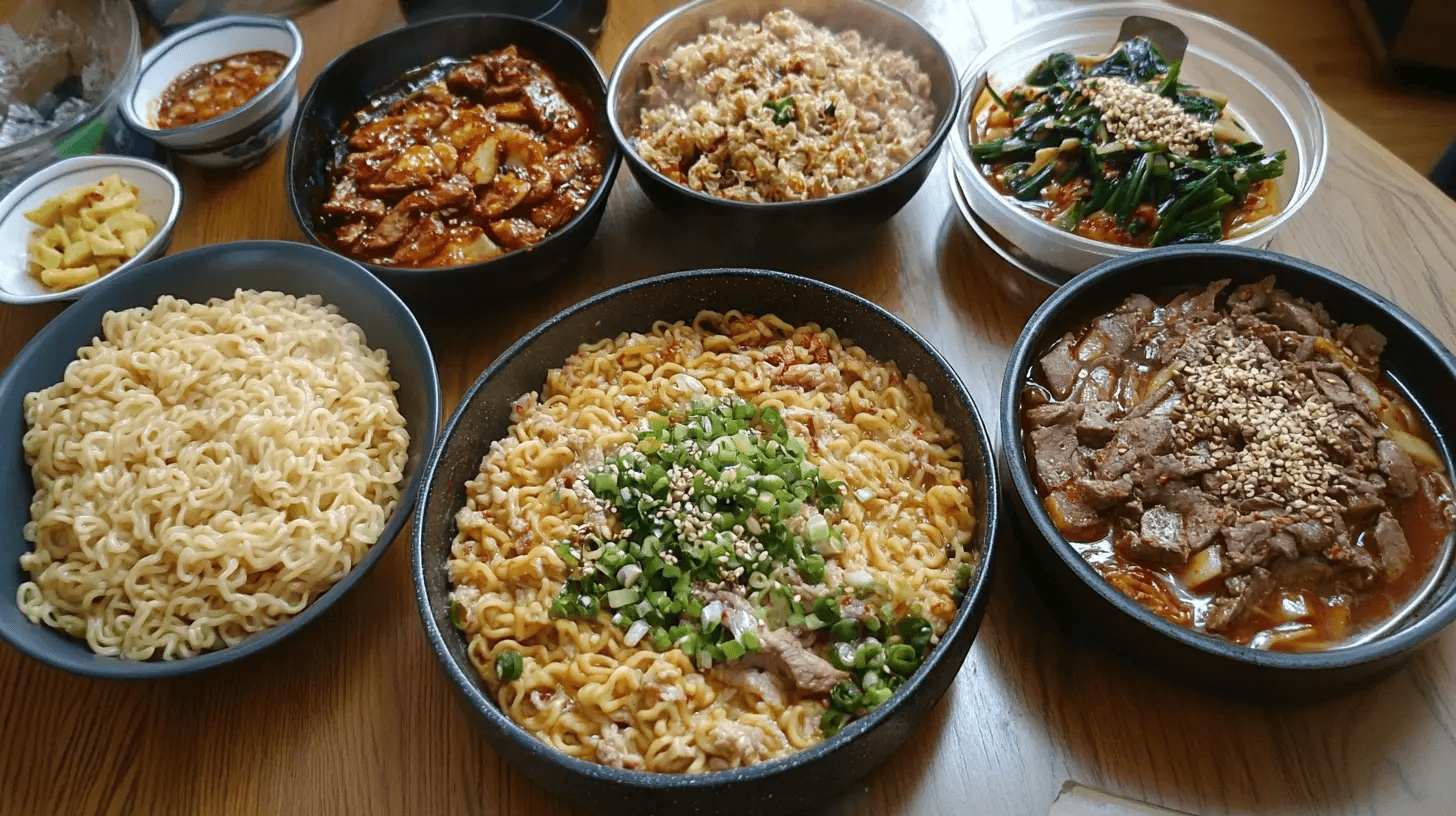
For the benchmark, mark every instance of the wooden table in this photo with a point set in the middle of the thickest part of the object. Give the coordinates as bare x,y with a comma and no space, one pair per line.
354,716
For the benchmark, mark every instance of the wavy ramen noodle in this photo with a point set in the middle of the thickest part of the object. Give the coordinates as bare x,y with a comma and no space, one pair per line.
205,470
879,526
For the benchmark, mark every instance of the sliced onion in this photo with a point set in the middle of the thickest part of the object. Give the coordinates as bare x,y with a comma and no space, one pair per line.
628,574
864,494
858,578
636,632
713,612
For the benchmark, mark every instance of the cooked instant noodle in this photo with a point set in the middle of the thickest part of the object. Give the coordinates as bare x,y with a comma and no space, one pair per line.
204,470
711,545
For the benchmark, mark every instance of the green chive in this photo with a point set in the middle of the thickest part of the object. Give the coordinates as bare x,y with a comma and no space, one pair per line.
508,666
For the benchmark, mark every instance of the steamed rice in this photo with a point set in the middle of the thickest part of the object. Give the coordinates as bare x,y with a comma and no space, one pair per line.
860,110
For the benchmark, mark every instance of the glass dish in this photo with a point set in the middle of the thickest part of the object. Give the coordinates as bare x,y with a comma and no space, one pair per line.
1276,104
108,56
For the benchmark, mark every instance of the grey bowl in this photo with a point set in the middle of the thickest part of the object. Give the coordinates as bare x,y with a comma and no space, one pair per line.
815,224
1414,359
215,271
484,416
376,66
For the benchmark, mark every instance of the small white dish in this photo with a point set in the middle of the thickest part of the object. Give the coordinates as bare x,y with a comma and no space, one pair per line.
244,135
159,196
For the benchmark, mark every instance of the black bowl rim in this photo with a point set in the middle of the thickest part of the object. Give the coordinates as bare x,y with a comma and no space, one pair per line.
408,274
786,208
462,676
118,669
1013,455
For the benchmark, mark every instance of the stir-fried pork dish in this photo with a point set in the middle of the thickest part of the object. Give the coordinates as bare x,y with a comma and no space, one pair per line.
493,157
1239,465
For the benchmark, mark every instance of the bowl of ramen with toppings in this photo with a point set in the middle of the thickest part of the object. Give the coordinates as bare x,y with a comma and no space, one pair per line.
721,560
466,151
1074,147
221,93
205,453
798,122
1240,471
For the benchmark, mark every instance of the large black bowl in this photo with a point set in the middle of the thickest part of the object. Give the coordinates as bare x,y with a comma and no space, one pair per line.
1413,358
196,275
362,72
484,416
815,224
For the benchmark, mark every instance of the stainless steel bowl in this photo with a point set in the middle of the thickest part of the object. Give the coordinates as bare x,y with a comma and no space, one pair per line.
806,224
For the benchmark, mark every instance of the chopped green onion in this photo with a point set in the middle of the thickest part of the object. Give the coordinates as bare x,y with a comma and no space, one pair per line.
508,666
832,721
875,697
619,598
457,615
845,630
901,658
845,696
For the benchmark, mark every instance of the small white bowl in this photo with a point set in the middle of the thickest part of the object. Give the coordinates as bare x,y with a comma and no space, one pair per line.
244,135
159,196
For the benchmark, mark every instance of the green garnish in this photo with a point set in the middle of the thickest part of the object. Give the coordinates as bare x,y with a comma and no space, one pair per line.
784,110
879,656
1189,190
508,666
710,496
457,615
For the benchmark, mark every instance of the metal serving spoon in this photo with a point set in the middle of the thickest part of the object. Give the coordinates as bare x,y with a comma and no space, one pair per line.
1169,39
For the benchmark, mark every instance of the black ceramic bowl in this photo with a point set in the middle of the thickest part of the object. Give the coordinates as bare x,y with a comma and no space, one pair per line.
812,224
367,69
484,415
1413,358
199,274
581,19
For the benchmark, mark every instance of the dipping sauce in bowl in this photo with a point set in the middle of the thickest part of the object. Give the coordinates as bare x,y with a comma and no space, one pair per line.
1118,149
210,89
478,158
1237,462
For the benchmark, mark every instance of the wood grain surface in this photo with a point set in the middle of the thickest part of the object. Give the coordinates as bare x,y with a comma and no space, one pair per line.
353,716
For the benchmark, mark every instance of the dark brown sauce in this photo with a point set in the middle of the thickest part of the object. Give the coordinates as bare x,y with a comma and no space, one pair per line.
1308,609
469,160
211,89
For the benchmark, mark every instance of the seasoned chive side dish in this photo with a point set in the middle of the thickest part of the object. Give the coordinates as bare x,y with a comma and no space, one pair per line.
1118,149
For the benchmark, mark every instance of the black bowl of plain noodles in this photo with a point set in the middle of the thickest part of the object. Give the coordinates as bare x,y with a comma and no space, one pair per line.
197,276
1413,362
776,785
